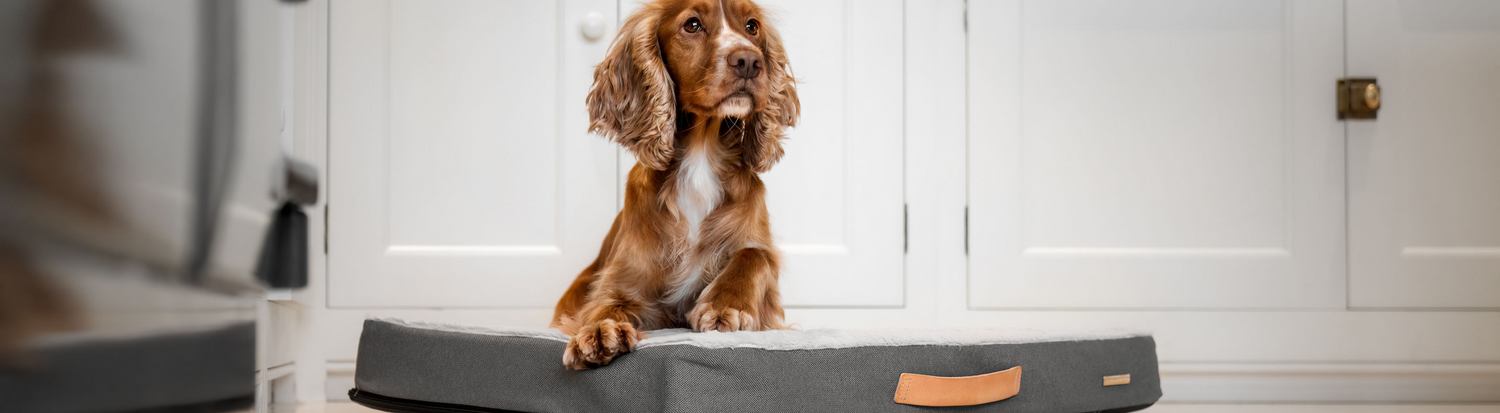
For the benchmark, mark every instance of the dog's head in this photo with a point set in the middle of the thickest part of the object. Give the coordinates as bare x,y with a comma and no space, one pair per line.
704,58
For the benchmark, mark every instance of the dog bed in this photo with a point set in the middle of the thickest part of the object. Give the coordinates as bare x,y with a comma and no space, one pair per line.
433,368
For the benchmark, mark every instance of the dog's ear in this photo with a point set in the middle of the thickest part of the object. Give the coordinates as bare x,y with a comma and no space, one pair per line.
632,101
762,142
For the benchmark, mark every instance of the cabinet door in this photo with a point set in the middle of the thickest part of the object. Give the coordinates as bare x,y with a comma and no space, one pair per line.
1155,154
1424,178
836,198
461,173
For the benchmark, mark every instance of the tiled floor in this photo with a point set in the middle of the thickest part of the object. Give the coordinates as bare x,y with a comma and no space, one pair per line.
1161,408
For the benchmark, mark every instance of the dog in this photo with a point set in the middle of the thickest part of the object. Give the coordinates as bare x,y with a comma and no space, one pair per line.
701,92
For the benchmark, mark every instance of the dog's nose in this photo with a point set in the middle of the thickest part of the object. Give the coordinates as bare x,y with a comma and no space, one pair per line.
745,63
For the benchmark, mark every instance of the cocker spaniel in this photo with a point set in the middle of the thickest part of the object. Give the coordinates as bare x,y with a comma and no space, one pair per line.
700,91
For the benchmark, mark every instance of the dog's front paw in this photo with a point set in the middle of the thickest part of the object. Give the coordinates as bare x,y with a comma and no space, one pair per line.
708,316
598,343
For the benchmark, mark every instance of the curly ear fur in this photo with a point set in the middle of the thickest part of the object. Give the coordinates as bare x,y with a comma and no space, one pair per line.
762,142
632,101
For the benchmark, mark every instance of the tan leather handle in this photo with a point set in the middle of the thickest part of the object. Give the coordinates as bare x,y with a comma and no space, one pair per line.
923,390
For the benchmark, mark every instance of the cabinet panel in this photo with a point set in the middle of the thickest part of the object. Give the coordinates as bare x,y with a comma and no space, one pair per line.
1424,183
456,164
461,174
473,142
1161,154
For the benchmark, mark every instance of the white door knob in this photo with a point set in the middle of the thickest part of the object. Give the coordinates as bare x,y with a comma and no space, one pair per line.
592,26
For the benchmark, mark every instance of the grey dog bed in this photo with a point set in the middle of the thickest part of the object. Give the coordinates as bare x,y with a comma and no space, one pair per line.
430,368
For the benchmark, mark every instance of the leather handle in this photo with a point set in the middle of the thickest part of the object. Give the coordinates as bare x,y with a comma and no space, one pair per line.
924,390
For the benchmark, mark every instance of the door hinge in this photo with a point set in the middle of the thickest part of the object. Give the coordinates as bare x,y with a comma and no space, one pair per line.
905,229
1358,98
966,230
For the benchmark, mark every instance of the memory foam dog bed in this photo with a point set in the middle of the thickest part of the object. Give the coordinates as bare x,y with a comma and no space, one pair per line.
421,367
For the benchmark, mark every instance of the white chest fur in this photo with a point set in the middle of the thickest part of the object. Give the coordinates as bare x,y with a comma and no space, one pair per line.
698,193
698,190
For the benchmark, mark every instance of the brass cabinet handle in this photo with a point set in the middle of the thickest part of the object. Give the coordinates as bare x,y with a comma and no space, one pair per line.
1358,98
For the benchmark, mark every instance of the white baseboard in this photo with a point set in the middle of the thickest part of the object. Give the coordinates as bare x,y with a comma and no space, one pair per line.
1331,382
339,380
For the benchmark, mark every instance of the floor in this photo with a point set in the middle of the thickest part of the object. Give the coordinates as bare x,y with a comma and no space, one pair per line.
1161,408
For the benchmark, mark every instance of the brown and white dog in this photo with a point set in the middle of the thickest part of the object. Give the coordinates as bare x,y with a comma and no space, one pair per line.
700,91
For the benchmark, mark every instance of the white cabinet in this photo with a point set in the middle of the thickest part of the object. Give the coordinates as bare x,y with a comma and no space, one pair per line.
461,174
1160,154
1149,155
1424,178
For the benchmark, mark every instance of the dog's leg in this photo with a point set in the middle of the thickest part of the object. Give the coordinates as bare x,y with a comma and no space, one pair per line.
743,297
611,324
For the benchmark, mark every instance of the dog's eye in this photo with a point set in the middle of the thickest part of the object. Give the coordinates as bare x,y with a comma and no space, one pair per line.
752,27
693,25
